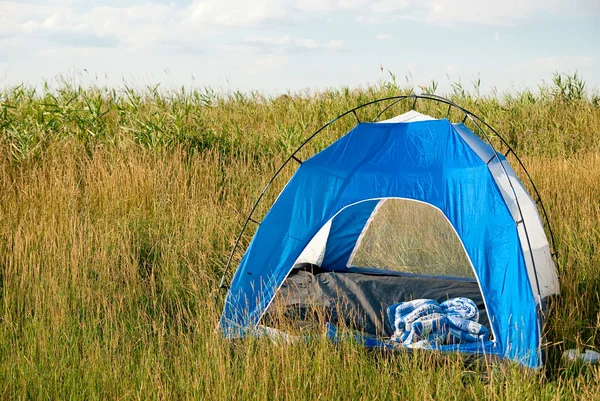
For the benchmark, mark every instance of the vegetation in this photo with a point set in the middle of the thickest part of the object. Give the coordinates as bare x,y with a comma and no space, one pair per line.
118,208
412,237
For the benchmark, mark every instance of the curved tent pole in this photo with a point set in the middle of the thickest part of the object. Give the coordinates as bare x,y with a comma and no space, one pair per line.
522,221
496,155
510,150
292,156
474,117
537,194
386,108
398,99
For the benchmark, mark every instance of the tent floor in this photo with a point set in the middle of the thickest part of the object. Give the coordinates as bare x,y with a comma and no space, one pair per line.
360,300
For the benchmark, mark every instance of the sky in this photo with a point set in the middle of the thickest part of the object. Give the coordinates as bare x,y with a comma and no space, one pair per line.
279,46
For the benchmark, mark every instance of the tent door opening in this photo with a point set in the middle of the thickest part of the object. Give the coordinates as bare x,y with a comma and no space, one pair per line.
370,255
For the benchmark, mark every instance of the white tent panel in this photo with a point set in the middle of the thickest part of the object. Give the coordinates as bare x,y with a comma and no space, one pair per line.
315,250
535,237
523,209
410,116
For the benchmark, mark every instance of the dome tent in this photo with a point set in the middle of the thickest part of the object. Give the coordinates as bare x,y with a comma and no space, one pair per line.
324,213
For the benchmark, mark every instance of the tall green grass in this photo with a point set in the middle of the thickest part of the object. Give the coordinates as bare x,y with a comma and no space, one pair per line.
118,208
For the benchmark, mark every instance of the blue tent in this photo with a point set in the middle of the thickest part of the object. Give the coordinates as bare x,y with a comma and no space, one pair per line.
411,157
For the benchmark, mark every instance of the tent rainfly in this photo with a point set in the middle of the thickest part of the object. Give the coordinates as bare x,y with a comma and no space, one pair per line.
324,215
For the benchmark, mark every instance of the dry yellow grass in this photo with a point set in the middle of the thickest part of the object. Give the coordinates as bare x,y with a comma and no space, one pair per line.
111,248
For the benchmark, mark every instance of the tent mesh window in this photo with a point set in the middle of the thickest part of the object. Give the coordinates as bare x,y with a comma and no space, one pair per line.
411,237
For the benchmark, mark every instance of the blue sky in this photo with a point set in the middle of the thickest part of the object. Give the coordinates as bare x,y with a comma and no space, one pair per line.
276,46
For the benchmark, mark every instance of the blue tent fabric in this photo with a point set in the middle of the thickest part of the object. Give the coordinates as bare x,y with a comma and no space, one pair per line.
345,230
425,161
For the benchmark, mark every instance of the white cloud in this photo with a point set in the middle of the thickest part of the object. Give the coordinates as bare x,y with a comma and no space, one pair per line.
335,44
272,61
368,19
289,44
147,24
40,38
508,12
489,13
452,69
232,13
320,6
267,63
388,6
383,36
138,25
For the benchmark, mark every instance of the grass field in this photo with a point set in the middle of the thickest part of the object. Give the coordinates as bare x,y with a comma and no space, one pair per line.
118,209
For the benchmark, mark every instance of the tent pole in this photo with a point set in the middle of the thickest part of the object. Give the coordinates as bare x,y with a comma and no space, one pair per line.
396,100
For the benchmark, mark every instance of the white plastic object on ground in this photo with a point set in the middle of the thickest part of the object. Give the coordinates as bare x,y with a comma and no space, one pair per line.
589,356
